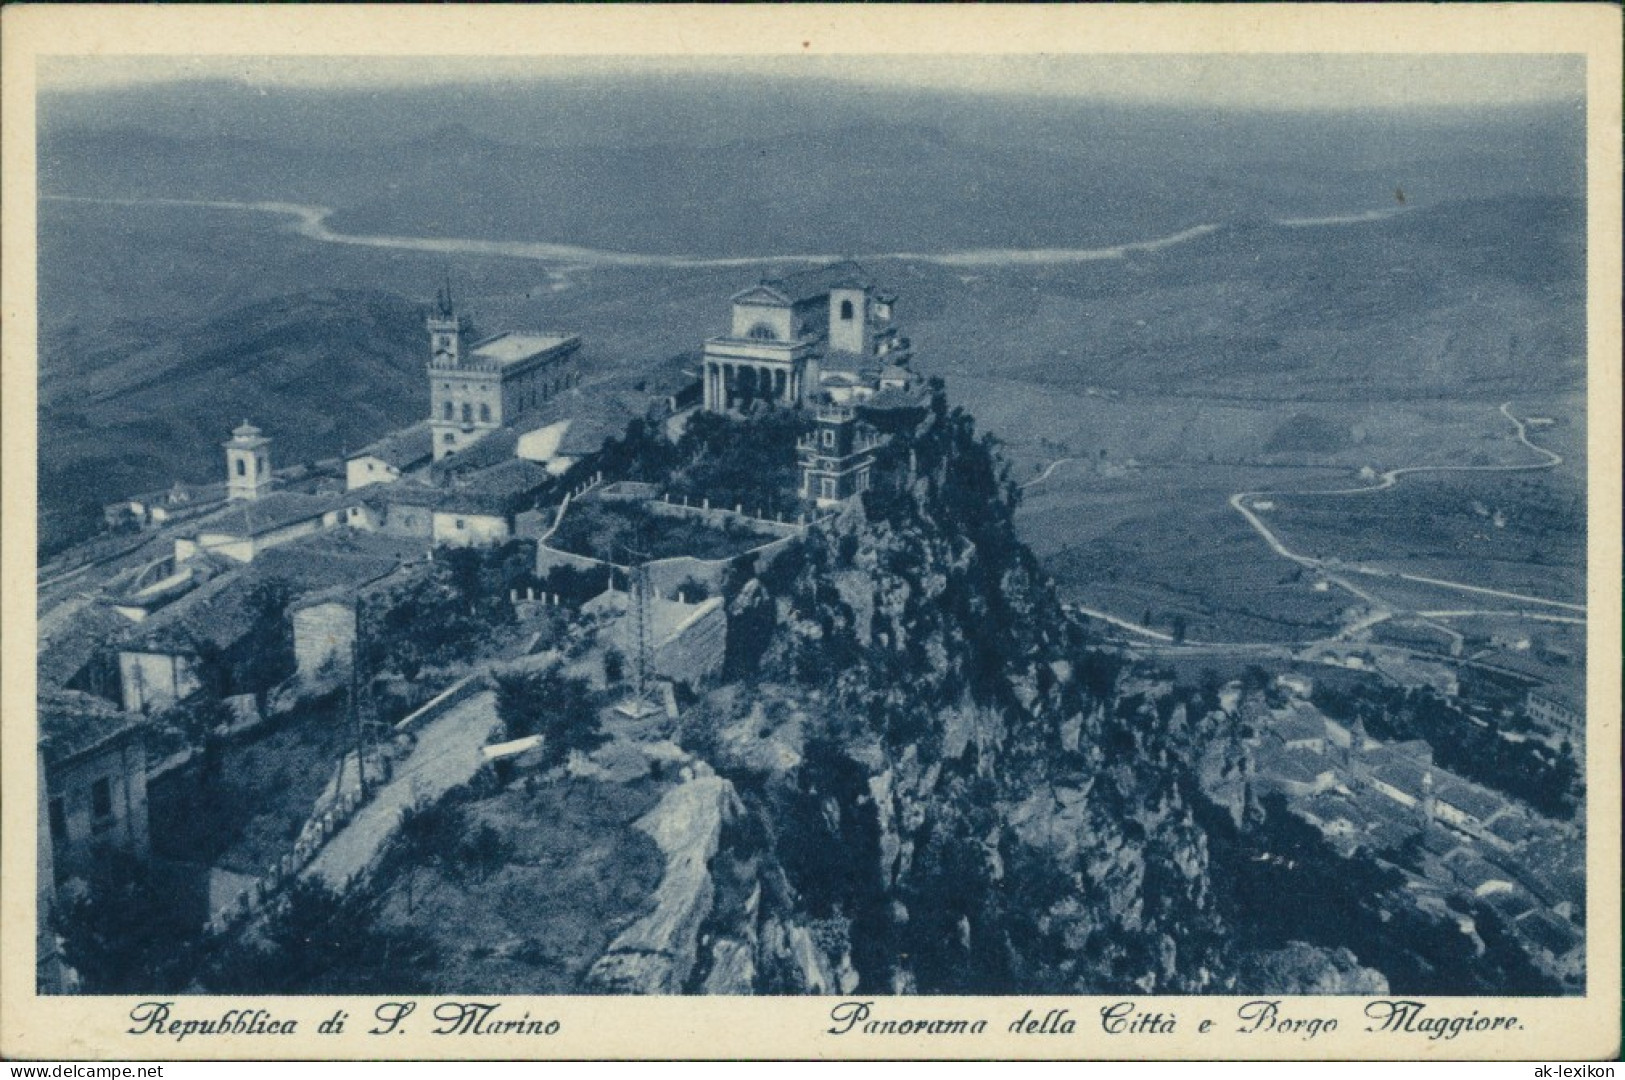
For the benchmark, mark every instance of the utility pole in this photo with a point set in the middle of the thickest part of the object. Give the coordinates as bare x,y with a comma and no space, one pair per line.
637,609
355,698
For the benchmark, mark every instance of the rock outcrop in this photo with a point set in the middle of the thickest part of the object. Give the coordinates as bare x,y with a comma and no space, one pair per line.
657,954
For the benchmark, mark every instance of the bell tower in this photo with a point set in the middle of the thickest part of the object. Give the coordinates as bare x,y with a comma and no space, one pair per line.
248,463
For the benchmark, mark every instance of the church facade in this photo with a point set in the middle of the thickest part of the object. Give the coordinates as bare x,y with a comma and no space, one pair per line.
788,334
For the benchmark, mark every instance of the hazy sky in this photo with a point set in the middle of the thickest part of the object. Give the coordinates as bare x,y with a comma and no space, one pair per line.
1257,81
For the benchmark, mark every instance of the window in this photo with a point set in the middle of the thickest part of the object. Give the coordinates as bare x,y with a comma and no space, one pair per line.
829,437
59,820
449,414
485,414
101,798
242,467
826,487
450,437
762,332
468,413
846,311
461,524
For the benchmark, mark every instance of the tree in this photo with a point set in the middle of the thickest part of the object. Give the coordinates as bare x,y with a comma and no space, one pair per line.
561,709
134,928
428,836
324,942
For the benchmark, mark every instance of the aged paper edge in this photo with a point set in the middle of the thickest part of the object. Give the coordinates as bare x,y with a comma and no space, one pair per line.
597,1027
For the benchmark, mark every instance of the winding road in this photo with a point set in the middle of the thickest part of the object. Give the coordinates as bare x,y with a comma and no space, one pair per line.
311,222
447,753
1045,475
1241,499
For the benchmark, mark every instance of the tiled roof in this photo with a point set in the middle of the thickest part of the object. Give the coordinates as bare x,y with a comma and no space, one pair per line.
401,448
1514,663
1301,766
1481,804
1301,722
255,517
493,449
76,644
72,724
1473,871
498,491
894,399
222,611
1401,775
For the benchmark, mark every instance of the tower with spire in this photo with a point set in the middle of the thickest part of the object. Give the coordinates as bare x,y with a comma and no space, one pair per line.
475,386
447,329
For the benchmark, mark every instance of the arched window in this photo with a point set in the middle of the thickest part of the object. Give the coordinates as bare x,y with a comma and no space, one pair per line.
762,332
468,413
242,467
846,311
485,414
449,414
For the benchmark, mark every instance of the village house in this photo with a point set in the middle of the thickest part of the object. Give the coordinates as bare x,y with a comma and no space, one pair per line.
1556,710
161,663
836,457
388,459
250,527
325,623
95,782
174,503
481,510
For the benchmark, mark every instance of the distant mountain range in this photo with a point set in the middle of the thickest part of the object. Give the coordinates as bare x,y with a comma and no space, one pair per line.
740,166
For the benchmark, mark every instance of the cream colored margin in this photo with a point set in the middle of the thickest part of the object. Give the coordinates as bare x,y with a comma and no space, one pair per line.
779,1027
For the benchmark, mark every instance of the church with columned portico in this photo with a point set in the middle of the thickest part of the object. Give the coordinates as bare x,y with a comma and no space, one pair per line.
788,334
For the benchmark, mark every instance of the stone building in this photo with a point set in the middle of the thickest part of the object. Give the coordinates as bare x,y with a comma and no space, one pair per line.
245,530
389,458
474,389
95,762
1556,709
836,456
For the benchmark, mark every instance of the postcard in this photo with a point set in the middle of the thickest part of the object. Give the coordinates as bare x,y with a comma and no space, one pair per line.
811,532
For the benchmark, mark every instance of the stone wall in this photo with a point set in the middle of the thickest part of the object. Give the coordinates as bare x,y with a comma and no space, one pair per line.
323,633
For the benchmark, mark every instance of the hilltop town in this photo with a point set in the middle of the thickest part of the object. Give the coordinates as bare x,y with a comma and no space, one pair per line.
740,661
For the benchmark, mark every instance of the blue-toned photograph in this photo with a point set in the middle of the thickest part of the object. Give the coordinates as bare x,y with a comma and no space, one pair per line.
850,526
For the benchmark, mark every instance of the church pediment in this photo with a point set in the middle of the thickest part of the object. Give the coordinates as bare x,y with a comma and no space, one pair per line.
762,296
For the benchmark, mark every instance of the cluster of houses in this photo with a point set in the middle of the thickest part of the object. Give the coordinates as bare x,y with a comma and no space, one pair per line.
509,416
1365,794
